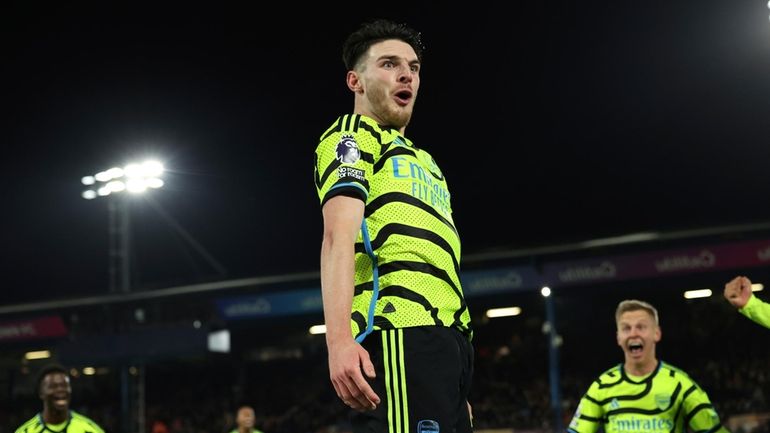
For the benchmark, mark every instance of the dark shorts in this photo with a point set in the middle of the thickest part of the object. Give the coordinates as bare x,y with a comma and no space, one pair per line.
423,379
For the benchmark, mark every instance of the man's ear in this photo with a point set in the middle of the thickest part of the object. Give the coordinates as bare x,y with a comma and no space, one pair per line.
354,82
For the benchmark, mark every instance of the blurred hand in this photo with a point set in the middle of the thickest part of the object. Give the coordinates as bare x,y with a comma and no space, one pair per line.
738,291
347,361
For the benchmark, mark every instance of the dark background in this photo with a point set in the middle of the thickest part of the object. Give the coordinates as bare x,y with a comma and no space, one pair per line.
554,121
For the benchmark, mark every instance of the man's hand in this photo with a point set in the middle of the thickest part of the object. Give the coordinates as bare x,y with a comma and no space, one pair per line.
346,362
738,291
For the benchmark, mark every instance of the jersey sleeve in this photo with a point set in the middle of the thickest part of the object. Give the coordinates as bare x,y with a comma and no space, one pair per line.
698,411
757,310
344,160
589,415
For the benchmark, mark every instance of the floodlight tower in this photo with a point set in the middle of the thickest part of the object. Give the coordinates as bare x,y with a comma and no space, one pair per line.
118,184
554,343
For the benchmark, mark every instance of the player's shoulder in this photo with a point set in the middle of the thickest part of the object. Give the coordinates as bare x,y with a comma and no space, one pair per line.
668,371
335,127
85,423
29,425
610,375
352,125
671,370
345,123
608,379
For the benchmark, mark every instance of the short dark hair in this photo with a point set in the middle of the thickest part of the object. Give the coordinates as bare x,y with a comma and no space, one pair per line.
376,31
46,370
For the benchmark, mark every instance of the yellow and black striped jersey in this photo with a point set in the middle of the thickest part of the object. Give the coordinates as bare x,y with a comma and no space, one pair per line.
408,249
76,423
665,401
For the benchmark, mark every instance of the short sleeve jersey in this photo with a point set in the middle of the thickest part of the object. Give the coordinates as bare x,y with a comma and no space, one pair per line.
76,423
665,401
407,259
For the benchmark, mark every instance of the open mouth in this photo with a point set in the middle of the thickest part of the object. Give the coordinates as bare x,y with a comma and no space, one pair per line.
635,348
403,97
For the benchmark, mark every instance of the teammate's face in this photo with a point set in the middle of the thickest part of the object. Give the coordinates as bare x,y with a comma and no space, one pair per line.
55,391
387,83
245,417
637,335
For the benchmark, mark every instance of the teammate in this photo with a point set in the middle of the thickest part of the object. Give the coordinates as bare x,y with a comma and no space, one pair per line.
54,389
398,328
738,293
643,394
244,419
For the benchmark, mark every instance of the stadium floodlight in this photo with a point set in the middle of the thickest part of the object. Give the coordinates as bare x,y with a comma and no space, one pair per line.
37,354
694,294
758,287
503,312
317,329
134,178
545,291
219,341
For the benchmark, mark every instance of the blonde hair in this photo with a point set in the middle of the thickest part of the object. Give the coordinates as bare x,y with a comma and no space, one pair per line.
635,305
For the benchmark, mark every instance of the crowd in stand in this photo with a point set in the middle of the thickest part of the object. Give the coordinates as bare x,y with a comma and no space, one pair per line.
511,390
728,357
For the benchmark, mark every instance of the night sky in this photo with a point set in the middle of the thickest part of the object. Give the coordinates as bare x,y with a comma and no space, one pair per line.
554,122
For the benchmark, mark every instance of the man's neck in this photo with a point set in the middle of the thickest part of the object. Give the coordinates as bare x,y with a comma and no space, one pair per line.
380,122
54,416
642,368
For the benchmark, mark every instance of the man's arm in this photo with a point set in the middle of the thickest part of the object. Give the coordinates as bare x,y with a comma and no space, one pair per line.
757,310
738,293
342,218
701,413
589,416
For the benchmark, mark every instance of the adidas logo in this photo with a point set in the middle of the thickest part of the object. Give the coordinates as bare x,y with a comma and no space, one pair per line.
389,308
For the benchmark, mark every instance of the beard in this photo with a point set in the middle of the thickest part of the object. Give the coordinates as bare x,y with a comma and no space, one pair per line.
386,109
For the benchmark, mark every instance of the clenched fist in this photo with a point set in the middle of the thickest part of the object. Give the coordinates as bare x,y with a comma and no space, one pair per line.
738,291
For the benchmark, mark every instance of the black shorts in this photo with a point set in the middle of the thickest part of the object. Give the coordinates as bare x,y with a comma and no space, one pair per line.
423,380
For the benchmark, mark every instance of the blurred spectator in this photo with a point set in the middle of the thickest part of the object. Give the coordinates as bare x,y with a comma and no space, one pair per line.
245,420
